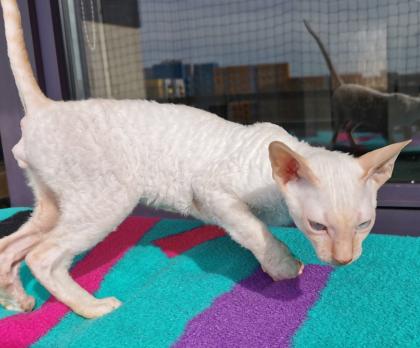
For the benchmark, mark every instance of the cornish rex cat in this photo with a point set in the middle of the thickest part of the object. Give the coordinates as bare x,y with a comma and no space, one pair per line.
90,162
354,105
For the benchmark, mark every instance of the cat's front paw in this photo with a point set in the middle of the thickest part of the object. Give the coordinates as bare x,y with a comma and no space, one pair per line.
278,262
287,268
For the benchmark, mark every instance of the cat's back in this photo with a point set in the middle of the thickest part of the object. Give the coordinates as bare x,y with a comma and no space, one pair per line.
131,127
95,113
357,92
101,116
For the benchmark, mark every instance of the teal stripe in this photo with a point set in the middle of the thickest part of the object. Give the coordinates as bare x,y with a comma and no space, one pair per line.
8,212
160,295
374,302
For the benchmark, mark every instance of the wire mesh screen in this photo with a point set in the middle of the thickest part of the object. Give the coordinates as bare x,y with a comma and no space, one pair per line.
363,36
250,61
166,49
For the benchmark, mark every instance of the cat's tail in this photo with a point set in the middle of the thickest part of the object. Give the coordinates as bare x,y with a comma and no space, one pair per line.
30,94
337,79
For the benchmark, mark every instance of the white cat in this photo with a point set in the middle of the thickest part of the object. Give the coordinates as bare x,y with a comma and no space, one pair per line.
90,162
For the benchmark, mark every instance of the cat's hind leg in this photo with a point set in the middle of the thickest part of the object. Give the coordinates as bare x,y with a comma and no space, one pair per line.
14,248
78,229
49,262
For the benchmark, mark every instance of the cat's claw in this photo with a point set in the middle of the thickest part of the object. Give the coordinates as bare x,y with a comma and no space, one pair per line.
302,267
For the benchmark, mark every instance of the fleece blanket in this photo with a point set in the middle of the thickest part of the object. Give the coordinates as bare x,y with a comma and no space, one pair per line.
184,284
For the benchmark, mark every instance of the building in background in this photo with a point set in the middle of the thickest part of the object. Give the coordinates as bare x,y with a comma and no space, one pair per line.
165,88
203,79
243,111
234,80
169,79
272,77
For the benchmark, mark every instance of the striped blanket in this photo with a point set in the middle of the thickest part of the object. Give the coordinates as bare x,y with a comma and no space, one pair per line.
184,284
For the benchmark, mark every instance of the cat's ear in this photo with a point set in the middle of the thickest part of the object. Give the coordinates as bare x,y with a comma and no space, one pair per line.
287,165
378,164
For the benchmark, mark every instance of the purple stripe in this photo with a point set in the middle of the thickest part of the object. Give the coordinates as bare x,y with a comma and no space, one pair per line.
257,312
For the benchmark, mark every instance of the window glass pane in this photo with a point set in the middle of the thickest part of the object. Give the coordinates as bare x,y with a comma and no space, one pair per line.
255,61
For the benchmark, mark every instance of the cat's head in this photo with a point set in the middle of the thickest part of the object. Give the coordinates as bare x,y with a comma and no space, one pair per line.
331,196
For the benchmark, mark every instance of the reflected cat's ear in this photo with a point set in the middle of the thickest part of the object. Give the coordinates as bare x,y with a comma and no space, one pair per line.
378,164
287,165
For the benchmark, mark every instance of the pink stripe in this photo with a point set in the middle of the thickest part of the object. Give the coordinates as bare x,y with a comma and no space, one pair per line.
180,243
24,329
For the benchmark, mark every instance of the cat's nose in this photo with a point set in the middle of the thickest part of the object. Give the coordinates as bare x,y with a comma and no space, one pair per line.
343,262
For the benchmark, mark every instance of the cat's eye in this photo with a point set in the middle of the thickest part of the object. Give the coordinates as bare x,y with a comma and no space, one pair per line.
316,226
363,225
